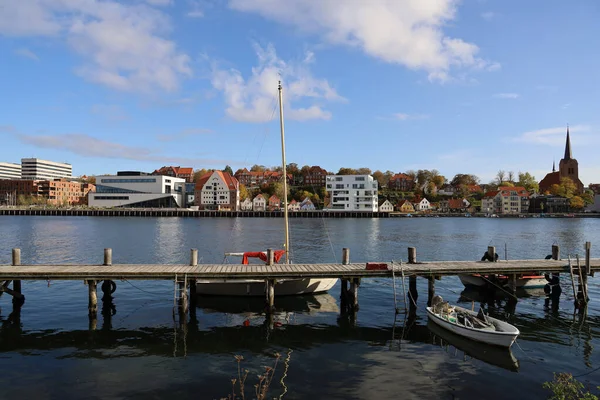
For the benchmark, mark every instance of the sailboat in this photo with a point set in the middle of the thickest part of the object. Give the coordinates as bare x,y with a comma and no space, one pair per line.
256,287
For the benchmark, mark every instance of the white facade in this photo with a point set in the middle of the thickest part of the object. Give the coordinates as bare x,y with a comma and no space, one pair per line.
386,206
259,203
10,171
246,205
423,205
294,206
220,191
148,191
307,205
34,169
352,192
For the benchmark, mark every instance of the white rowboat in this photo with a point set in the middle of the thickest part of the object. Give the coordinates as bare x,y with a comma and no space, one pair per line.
472,325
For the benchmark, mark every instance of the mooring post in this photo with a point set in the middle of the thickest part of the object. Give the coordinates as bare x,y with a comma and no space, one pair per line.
353,293
193,293
108,286
588,254
344,282
107,256
270,284
491,253
431,289
18,298
585,271
555,252
412,281
93,299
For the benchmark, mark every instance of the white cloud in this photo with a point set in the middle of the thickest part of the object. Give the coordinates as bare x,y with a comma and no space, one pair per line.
184,134
254,99
488,15
506,95
89,146
408,32
405,117
551,136
123,45
23,52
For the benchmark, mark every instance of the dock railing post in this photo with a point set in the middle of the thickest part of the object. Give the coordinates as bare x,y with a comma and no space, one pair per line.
344,282
17,296
588,254
193,293
555,252
431,289
412,282
586,271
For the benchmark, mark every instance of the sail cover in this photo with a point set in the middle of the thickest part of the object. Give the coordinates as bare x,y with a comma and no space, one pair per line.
277,254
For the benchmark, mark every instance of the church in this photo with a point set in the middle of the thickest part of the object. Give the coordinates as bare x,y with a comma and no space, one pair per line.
568,167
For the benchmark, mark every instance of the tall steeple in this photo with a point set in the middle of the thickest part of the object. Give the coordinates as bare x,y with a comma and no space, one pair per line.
553,166
568,146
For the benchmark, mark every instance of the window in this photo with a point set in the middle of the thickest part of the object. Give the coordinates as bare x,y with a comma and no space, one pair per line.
354,186
359,178
141,180
339,178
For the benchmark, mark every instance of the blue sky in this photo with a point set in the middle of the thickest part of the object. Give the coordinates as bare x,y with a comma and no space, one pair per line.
463,87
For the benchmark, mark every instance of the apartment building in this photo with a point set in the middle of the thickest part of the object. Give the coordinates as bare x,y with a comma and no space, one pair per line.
352,192
218,190
10,170
37,169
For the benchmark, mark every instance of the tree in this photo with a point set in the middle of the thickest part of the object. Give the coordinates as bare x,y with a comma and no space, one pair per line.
464,179
228,170
412,174
347,171
258,168
567,188
511,176
363,171
243,192
199,173
507,184
554,189
380,178
576,202
528,182
277,190
292,168
500,177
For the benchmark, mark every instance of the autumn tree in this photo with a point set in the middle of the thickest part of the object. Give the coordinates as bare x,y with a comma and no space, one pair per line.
243,192
576,202
292,168
567,188
363,171
258,168
347,171
380,178
528,182
228,170
199,173
464,179
500,177
277,190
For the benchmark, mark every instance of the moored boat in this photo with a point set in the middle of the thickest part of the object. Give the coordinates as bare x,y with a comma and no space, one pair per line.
525,281
475,326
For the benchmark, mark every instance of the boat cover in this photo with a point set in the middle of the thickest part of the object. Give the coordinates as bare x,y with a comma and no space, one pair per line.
277,254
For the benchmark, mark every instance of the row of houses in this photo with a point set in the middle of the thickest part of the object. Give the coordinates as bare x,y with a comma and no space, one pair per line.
260,203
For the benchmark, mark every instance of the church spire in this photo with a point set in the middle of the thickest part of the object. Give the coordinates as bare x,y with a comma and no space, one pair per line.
568,146
553,166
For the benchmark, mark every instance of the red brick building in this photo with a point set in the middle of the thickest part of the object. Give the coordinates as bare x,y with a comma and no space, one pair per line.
315,176
568,167
176,172
401,182
55,192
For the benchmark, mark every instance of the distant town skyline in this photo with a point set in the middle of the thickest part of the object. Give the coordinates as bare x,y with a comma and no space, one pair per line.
471,87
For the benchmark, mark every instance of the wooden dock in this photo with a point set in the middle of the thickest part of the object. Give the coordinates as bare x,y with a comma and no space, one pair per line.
186,276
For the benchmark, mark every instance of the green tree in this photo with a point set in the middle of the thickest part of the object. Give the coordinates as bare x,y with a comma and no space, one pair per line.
278,190
347,171
565,387
228,170
507,184
567,188
528,182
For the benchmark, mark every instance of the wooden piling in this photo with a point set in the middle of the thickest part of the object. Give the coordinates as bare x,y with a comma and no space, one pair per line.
412,255
588,254
491,253
107,256
353,294
270,294
412,281
194,257
183,301
93,298
17,296
344,282
107,284
555,252
431,289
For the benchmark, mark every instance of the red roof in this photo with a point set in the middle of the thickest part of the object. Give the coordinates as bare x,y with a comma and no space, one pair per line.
553,178
229,180
455,203
506,191
401,176
186,171
402,202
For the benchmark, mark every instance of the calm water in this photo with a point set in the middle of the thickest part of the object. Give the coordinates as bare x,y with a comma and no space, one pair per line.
140,353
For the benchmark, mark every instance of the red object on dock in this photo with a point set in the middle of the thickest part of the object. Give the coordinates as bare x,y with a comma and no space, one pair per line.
377,266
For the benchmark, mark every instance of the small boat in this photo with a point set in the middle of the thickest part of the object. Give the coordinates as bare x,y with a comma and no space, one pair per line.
475,326
493,355
524,281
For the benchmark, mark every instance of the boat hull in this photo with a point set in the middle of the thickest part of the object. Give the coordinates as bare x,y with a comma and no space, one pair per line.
494,338
245,288
537,281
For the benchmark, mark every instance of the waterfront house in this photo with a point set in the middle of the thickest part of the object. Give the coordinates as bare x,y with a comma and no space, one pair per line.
386,206
176,172
274,203
454,205
315,177
259,203
506,200
307,205
219,191
405,206
294,206
352,192
401,182
246,205
423,205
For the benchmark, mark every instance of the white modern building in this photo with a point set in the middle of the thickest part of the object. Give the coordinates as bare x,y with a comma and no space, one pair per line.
352,192
137,189
36,169
10,171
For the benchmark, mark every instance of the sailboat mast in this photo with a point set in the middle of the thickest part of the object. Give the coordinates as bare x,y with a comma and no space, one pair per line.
285,202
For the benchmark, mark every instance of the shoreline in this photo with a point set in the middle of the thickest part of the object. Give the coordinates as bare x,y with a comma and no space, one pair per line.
186,213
